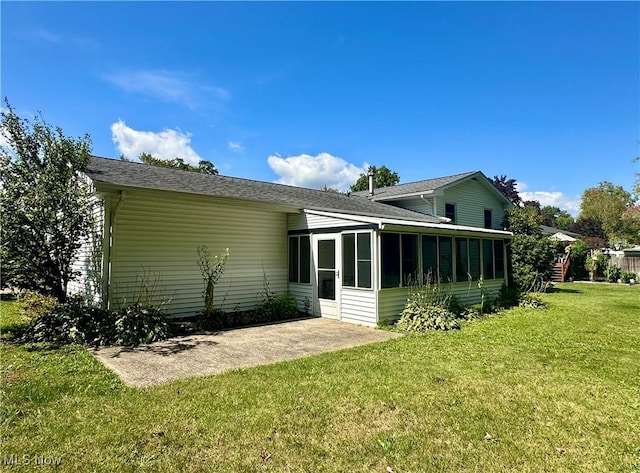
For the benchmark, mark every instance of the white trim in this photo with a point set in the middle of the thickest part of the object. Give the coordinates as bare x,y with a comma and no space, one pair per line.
383,222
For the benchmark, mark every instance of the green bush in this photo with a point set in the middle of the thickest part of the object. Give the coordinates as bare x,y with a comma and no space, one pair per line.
627,276
138,323
532,300
509,296
419,317
278,307
72,322
612,273
578,264
33,304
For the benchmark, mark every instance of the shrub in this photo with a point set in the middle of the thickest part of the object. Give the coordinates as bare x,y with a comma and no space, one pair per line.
533,257
137,323
532,300
509,296
579,255
72,322
33,304
627,276
612,273
278,307
420,317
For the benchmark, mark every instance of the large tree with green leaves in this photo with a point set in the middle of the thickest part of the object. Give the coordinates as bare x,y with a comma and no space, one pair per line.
382,177
204,167
532,253
46,203
606,203
555,217
508,189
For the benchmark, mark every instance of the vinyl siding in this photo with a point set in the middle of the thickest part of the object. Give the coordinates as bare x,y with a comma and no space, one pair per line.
303,221
471,199
392,301
156,235
88,262
302,293
424,206
358,306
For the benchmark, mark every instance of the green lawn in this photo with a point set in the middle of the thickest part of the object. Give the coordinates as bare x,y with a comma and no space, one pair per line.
556,390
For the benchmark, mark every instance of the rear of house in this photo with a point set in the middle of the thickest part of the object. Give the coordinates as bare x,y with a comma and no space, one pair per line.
343,257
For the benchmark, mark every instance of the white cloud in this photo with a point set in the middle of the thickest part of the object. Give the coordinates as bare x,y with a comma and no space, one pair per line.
552,198
43,34
165,144
316,171
236,146
169,86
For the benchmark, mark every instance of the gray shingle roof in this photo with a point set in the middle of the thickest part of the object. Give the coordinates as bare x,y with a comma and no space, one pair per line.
137,175
418,186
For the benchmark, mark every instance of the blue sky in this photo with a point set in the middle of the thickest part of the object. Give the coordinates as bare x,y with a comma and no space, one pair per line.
311,93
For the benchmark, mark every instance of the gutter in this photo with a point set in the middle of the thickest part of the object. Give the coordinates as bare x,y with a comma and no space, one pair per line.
109,240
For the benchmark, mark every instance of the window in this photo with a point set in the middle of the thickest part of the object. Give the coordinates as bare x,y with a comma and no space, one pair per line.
462,260
356,260
488,218
450,211
446,259
429,259
390,249
409,251
400,263
487,259
467,259
300,259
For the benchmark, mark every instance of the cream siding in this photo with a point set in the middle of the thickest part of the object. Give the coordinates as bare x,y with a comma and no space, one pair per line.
303,294
156,235
424,206
88,263
358,306
304,221
471,199
392,301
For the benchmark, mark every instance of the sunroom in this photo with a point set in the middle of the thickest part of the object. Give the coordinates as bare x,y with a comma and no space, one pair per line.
361,269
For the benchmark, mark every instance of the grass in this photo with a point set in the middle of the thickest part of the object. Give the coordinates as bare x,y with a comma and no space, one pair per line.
556,390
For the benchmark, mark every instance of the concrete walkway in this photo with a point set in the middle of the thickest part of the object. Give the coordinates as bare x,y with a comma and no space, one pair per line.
214,352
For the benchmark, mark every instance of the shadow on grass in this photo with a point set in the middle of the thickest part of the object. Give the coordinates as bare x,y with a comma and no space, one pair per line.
564,290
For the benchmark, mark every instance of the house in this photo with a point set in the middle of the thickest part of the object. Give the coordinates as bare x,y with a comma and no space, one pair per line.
465,199
349,257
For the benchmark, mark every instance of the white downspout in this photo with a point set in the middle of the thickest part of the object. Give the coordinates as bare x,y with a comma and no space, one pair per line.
110,244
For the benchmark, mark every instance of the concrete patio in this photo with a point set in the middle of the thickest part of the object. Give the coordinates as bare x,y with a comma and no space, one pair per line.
212,353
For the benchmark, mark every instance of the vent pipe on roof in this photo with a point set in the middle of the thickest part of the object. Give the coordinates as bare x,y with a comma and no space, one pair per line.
370,175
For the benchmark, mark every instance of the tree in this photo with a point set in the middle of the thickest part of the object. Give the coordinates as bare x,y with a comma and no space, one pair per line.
204,167
382,177
606,203
46,203
630,224
508,189
554,217
532,253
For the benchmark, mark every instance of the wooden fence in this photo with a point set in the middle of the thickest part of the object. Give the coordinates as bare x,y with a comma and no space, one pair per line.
627,263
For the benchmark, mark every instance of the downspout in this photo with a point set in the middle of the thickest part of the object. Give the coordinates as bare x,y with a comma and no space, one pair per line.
434,211
110,227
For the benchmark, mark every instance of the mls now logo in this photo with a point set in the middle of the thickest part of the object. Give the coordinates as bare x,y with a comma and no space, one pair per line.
26,459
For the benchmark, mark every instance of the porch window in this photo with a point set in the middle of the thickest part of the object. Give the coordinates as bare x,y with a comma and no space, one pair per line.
356,260
300,259
446,259
400,262
430,259
390,250
467,259
487,260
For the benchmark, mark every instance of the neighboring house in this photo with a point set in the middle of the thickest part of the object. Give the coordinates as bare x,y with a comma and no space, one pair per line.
465,199
347,257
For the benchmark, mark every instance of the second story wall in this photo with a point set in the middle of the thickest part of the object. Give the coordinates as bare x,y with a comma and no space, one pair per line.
471,198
